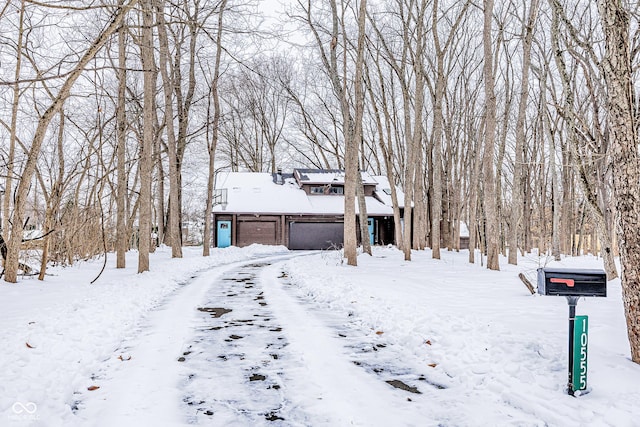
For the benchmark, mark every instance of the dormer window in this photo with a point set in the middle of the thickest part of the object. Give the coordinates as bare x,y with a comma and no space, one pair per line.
318,190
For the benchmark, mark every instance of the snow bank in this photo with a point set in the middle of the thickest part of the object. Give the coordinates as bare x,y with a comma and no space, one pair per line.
57,333
500,353
489,352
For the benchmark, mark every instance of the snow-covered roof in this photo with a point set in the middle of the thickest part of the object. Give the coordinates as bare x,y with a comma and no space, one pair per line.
464,230
383,191
249,192
335,205
328,176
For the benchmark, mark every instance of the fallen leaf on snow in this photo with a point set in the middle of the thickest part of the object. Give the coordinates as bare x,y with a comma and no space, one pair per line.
29,345
428,342
433,365
379,332
93,387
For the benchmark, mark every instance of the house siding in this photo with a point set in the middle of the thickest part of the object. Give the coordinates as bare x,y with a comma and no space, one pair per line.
276,229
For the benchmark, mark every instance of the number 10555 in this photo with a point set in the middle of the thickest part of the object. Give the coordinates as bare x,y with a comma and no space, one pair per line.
580,342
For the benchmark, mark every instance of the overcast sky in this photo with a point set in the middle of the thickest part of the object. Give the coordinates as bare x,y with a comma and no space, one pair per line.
273,7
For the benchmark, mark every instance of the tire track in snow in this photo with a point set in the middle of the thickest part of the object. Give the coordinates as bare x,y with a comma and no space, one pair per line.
237,360
342,384
262,357
145,389
458,394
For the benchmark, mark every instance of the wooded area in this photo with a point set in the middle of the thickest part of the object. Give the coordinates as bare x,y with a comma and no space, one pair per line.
515,118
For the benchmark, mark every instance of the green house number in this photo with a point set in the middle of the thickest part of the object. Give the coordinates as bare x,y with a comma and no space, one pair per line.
580,340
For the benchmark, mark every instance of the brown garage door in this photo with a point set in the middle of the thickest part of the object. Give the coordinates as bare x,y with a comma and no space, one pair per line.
256,232
315,235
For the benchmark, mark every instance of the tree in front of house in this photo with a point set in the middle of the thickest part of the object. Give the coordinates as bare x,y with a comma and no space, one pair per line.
622,112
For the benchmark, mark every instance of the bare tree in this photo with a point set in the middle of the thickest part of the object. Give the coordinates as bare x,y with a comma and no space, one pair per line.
6,201
52,199
492,232
212,137
626,161
417,180
146,144
15,239
438,120
581,161
168,86
406,125
329,60
351,146
516,190
351,165
121,189
386,142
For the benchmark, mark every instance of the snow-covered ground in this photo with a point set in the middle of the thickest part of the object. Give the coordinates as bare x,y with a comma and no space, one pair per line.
263,336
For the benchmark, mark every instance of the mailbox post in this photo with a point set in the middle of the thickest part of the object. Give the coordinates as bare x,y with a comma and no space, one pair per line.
574,284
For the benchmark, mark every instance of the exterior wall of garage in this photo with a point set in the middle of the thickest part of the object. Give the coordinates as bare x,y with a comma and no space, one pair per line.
309,231
314,232
258,229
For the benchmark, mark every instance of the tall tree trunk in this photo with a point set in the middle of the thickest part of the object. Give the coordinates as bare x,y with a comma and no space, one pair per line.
159,203
6,201
555,186
167,84
409,177
555,210
353,177
148,65
420,206
121,126
492,232
516,191
436,150
474,184
53,201
362,211
213,143
330,62
185,102
626,161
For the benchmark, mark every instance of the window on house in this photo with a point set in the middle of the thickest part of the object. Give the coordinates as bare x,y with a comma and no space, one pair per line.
317,190
336,190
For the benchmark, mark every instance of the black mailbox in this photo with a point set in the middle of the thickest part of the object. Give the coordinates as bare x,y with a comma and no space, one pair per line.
569,282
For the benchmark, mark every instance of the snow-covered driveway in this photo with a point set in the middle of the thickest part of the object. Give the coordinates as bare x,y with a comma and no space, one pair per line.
263,336
234,347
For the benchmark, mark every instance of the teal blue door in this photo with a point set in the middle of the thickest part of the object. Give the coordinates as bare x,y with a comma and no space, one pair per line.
224,234
371,223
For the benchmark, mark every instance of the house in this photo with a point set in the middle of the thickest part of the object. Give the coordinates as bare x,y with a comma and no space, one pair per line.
383,193
302,210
